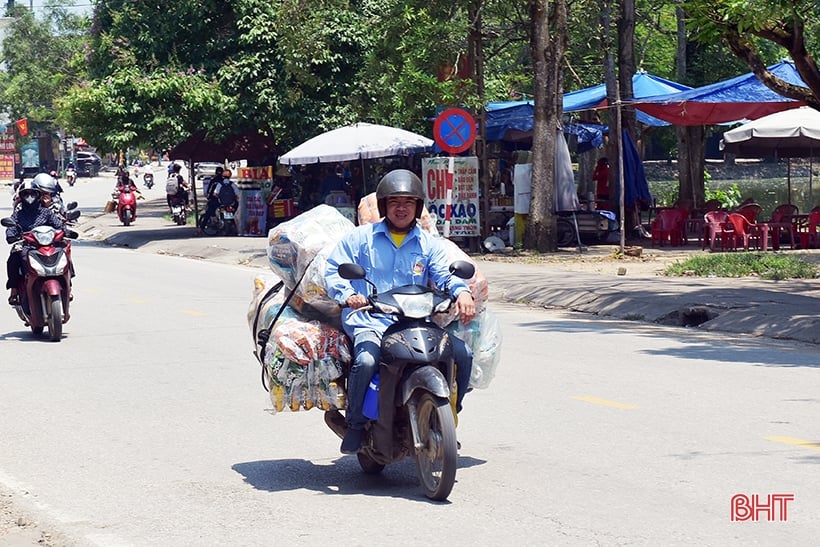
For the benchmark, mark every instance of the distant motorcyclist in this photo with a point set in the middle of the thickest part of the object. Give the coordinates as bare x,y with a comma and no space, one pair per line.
176,187
28,216
221,193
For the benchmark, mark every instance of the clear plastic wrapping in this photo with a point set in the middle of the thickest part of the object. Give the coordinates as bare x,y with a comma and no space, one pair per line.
292,245
305,361
483,336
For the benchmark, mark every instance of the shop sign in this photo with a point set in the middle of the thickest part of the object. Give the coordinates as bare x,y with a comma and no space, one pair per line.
438,178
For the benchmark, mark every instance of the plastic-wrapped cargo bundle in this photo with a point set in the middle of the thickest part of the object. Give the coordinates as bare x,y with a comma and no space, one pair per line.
305,361
293,244
264,307
483,336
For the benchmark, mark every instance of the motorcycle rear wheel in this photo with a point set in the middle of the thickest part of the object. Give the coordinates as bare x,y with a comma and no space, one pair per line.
55,319
212,228
438,459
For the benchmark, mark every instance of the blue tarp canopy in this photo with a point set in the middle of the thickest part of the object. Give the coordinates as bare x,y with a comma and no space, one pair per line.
512,120
727,101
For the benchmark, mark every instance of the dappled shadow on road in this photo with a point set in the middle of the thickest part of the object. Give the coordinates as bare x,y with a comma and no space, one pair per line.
341,476
698,345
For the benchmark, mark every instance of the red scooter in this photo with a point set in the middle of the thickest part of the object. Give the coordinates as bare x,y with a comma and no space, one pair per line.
126,198
45,291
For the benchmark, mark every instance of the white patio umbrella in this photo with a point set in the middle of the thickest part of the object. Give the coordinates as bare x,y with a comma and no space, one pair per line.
359,141
788,134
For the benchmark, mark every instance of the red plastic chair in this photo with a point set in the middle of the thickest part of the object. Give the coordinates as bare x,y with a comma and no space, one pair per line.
782,221
751,211
810,238
747,232
716,226
668,226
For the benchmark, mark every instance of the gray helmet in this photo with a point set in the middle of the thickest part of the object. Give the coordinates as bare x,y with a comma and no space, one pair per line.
45,182
400,182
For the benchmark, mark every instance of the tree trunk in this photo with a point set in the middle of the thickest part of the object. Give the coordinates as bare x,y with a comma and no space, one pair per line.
547,55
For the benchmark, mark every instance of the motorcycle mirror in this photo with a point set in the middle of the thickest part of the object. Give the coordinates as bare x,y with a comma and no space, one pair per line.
72,215
7,222
351,271
462,269
71,234
71,205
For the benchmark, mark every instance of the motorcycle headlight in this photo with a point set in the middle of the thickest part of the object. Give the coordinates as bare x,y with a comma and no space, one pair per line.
415,306
44,235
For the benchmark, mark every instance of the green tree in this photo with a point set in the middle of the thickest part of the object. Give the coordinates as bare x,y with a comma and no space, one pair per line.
750,28
41,61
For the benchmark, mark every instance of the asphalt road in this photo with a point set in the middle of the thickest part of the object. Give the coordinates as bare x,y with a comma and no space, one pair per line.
147,425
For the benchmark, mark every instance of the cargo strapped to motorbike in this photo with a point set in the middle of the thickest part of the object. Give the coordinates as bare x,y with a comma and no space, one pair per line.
263,335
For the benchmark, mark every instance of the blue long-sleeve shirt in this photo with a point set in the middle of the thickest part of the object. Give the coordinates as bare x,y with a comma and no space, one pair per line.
419,259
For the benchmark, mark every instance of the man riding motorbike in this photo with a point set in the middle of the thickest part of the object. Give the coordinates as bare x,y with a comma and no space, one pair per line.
393,252
29,215
176,181
216,198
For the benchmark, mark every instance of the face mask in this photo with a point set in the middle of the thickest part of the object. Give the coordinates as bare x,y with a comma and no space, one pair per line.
30,198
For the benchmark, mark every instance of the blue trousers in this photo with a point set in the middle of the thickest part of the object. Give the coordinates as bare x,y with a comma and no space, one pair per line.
366,352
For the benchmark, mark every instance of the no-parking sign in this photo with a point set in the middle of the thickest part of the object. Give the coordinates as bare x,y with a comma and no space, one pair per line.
454,130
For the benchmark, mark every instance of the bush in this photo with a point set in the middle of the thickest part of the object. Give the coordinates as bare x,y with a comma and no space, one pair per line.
772,266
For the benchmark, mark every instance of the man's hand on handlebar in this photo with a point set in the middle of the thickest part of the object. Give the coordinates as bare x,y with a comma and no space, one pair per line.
356,301
465,307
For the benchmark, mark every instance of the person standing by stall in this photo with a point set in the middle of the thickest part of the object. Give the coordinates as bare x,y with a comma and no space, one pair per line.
601,177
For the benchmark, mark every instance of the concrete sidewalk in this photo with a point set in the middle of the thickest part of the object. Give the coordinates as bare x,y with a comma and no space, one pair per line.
777,309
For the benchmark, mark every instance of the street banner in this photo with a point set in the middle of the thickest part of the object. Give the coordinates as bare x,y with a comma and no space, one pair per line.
254,187
6,166
6,143
22,127
437,178
31,155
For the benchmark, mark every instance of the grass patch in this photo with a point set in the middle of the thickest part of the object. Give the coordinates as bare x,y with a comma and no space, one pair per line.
772,266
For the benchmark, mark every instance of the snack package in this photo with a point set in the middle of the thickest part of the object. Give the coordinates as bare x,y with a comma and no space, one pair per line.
483,336
293,244
304,364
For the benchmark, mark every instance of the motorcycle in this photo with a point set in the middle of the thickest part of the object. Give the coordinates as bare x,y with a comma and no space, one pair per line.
415,409
178,210
223,222
45,292
70,176
126,200
148,180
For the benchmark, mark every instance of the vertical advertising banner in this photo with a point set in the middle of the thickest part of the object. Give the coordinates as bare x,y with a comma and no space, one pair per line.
6,166
31,155
254,185
462,212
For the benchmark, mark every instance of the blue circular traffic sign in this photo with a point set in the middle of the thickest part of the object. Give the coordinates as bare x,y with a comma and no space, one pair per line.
454,130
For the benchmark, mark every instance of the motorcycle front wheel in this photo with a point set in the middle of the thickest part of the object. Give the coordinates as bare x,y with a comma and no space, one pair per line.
126,217
438,458
55,319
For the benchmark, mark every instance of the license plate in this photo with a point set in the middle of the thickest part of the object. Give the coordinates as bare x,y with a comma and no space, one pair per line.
227,215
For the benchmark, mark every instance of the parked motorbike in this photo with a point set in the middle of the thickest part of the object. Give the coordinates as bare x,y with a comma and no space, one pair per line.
415,414
148,180
70,176
126,200
223,222
45,292
178,210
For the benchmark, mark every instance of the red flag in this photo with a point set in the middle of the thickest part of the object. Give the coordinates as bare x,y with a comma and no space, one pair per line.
22,127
